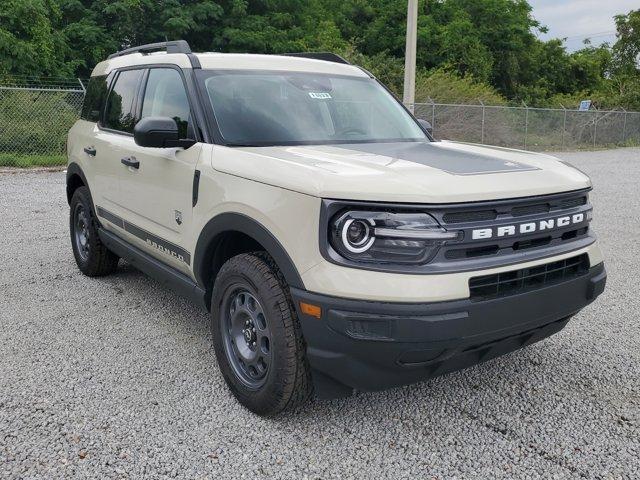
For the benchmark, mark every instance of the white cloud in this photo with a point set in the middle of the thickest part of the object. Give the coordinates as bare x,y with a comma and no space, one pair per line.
580,19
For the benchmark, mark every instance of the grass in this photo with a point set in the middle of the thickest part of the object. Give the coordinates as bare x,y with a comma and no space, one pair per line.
30,161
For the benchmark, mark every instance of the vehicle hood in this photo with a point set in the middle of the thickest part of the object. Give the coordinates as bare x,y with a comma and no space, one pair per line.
413,172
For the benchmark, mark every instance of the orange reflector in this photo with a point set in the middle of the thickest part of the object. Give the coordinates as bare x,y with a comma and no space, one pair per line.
311,310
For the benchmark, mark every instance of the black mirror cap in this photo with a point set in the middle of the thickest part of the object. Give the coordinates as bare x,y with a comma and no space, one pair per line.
159,132
426,125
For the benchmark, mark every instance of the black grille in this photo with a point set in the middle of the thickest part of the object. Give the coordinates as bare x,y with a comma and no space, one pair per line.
522,208
573,202
472,252
527,279
532,243
492,215
477,216
530,209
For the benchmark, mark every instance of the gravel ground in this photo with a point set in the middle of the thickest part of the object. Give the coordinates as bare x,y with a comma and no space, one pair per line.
116,378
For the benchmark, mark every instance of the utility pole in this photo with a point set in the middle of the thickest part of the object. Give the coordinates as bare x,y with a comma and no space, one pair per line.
409,96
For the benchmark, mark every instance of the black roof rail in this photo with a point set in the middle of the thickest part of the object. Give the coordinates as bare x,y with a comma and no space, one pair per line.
326,56
175,46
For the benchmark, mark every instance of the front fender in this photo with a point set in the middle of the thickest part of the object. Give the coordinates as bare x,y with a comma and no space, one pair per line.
237,222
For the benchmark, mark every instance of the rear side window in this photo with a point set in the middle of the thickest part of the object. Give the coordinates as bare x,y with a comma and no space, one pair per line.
94,98
165,96
120,113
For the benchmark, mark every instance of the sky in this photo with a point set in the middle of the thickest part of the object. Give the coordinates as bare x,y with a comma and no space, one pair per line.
580,19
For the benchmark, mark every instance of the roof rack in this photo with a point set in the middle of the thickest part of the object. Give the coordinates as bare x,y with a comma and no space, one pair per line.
326,56
176,46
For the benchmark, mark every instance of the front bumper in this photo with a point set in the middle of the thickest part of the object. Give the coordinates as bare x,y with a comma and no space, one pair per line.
364,345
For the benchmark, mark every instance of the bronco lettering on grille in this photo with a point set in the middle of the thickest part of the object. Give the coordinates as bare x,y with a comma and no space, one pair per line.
525,228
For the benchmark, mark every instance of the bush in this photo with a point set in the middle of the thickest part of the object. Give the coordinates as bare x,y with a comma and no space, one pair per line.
446,87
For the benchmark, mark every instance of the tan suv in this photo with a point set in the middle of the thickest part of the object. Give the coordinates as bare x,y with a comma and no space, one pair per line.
337,246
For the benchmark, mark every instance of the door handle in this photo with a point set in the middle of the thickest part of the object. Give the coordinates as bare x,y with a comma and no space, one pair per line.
130,162
91,151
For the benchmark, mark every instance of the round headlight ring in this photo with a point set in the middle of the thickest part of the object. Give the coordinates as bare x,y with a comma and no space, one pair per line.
361,245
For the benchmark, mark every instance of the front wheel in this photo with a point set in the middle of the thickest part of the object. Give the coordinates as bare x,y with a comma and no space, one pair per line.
257,336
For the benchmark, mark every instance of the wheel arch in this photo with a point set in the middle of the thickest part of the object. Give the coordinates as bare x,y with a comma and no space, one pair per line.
75,180
237,233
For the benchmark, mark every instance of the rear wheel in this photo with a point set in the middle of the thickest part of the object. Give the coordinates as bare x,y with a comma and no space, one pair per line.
257,336
92,257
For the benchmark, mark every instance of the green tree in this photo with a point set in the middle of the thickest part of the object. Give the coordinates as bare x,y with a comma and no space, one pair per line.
626,51
97,28
491,43
28,42
623,87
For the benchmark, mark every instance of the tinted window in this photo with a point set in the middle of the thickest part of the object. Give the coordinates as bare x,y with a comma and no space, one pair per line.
165,96
94,98
120,113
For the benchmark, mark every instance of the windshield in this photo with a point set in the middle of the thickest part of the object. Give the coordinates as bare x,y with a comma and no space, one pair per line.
285,108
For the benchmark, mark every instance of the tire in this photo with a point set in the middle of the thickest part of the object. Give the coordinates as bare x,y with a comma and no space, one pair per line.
92,257
251,302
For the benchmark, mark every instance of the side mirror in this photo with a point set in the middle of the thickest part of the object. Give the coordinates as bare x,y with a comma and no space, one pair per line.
426,125
159,132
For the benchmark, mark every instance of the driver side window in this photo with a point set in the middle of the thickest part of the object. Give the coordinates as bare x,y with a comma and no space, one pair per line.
165,96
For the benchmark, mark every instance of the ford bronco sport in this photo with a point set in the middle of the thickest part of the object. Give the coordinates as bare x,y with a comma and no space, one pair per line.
337,246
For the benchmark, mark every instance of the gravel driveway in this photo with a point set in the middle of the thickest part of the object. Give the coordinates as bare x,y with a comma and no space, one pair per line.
116,378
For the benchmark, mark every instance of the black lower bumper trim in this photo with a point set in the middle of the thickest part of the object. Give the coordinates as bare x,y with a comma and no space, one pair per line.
363,345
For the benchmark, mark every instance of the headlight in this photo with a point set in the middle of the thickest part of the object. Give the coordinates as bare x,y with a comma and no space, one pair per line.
387,237
357,235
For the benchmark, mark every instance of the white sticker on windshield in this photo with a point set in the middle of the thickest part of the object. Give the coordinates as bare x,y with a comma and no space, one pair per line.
319,95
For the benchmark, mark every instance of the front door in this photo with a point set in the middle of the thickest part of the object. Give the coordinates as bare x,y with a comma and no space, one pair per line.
156,184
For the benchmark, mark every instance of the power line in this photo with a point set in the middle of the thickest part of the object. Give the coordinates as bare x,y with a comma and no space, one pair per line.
591,35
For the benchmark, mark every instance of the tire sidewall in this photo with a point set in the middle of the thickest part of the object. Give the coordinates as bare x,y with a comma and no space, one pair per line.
81,196
267,397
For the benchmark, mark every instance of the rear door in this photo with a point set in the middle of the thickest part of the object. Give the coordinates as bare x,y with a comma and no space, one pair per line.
85,137
157,193
112,140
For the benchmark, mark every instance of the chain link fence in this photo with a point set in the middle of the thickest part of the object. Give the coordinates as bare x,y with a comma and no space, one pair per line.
532,128
34,121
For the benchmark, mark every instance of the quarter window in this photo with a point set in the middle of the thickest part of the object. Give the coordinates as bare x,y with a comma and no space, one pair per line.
94,98
120,113
165,96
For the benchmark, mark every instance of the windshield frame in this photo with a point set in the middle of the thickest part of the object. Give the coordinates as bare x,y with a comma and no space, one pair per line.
202,75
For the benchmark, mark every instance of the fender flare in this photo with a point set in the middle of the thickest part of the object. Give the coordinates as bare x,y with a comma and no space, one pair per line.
72,170
238,222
